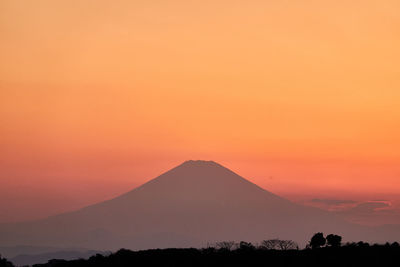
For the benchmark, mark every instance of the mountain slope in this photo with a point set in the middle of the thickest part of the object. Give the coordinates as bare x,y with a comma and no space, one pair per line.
190,205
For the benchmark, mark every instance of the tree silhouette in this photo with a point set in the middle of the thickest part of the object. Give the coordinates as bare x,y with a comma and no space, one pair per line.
334,240
246,246
318,240
226,245
5,263
278,244
363,244
287,245
269,244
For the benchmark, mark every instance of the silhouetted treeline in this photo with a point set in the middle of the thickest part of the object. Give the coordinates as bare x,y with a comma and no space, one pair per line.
347,255
321,251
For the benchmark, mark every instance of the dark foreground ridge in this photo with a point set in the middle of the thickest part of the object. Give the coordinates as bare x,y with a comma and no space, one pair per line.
330,256
243,254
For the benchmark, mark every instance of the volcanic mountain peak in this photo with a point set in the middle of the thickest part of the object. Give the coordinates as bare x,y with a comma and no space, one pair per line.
194,165
199,162
201,183
199,173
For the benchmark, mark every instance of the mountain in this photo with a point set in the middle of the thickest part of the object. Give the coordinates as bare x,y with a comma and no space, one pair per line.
192,204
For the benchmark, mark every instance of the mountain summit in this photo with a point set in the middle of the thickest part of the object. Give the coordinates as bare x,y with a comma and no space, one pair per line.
200,183
190,205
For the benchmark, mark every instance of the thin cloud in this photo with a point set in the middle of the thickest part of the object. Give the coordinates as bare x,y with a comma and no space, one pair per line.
332,202
371,206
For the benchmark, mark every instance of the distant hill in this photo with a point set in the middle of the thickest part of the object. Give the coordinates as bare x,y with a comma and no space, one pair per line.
192,204
13,251
30,259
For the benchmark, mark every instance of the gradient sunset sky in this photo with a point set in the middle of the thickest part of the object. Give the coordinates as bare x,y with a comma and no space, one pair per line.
97,97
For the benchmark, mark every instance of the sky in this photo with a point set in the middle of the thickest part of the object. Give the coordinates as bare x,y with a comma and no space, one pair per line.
98,97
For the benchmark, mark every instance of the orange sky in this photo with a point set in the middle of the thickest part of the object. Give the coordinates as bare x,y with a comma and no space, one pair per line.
96,97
